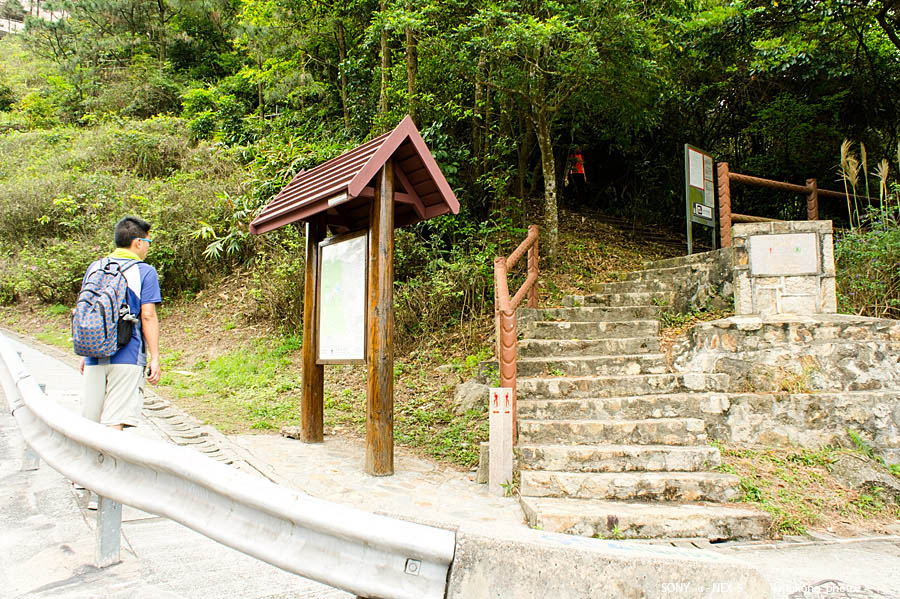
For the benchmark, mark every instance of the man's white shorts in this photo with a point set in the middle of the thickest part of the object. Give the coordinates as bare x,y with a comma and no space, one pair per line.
112,394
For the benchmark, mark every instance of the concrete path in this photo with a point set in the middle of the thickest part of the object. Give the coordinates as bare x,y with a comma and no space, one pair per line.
47,543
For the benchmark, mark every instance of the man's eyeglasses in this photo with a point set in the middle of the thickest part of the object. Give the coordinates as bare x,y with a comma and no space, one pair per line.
149,241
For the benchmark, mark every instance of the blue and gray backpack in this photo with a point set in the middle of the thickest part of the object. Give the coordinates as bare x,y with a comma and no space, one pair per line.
102,322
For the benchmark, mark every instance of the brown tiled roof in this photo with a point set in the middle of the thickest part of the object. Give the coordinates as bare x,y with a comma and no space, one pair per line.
343,187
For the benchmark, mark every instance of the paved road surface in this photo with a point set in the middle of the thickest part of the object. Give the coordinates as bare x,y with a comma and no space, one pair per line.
47,544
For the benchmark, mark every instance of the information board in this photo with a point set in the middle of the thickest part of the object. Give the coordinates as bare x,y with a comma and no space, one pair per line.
342,299
699,191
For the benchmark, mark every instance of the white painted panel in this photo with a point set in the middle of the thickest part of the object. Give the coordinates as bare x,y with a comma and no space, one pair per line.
783,255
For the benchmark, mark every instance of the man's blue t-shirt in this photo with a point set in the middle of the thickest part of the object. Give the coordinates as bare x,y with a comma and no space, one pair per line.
143,288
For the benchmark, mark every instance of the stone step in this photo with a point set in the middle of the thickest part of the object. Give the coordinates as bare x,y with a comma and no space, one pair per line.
651,431
543,329
712,257
668,273
592,365
620,520
621,300
574,312
616,386
623,486
618,458
665,405
558,348
650,286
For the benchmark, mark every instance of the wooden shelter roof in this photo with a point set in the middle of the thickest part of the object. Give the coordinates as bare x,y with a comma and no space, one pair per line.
343,187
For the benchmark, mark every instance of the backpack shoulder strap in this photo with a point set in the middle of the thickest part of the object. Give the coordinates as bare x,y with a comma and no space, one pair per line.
125,266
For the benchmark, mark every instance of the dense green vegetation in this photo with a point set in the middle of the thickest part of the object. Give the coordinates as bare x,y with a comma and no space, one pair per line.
194,113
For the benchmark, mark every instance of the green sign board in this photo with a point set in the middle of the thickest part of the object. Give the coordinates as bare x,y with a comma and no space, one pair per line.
699,192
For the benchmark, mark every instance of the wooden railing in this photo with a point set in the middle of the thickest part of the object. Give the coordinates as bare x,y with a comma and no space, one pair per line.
505,310
726,217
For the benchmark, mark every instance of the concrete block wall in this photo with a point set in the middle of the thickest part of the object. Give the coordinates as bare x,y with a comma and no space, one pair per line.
784,268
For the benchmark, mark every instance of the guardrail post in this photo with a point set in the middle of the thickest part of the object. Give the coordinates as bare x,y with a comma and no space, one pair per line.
724,205
533,267
30,459
812,200
109,533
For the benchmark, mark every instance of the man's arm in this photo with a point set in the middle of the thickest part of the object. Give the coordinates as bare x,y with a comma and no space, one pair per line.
150,330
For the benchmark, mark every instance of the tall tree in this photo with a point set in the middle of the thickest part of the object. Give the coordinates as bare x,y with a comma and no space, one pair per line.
549,57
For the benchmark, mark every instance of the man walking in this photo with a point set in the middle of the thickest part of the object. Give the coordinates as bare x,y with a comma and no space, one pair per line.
112,393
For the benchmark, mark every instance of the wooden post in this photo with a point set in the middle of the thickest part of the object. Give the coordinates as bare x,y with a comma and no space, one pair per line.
380,328
812,200
724,205
312,400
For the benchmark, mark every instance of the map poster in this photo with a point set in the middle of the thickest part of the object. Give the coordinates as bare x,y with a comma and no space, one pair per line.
342,299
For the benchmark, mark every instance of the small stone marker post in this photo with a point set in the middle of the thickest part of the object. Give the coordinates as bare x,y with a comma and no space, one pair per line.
500,472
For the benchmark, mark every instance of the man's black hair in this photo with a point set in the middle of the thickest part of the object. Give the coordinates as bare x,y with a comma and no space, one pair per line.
130,228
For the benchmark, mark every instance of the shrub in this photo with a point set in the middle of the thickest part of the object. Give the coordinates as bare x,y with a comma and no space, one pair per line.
202,126
7,97
278,279
53,271
196,101
40,111
868,265
71,185
8,277
145,154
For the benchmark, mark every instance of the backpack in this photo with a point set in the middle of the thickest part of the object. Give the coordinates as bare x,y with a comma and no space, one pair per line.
102,323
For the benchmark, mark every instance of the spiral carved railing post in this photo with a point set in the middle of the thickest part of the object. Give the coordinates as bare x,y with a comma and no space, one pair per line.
505,310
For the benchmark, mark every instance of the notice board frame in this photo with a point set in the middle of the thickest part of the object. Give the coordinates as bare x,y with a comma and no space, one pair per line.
693,192
336,239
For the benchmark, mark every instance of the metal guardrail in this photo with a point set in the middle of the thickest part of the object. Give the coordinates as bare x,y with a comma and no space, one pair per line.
343,547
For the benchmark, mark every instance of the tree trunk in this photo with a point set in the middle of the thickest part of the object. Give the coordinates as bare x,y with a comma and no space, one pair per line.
477,121
259,89
161,36
524,154
342,55
412,70
385,68
548,166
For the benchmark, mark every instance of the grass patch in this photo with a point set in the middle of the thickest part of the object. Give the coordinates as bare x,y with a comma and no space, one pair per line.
255,387
59,309
55,337
797,489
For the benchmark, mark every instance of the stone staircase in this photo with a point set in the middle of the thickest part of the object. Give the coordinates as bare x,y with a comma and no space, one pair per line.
610,443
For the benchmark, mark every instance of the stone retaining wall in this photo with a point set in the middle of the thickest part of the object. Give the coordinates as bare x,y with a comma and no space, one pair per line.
796,353
800,380
697,278
810,420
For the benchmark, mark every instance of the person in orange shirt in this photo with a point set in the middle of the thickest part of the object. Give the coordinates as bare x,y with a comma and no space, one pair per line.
576,176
